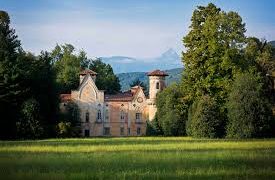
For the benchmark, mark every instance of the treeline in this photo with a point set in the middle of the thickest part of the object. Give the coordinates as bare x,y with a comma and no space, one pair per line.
30,85
227,86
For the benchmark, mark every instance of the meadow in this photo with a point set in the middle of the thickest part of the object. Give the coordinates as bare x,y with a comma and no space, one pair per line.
138,158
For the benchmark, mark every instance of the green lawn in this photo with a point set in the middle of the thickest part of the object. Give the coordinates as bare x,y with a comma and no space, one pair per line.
138,158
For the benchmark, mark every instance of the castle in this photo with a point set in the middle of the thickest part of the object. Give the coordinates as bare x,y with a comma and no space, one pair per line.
122,114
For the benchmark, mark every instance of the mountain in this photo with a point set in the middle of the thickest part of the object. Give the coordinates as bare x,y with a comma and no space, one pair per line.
127,78
121,64
272,43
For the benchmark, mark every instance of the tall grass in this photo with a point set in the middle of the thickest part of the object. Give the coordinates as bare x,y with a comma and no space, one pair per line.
138,158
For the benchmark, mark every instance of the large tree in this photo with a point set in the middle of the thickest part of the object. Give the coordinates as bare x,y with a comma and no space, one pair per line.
67,66
43,88
105,79
12,87
213,53
213,47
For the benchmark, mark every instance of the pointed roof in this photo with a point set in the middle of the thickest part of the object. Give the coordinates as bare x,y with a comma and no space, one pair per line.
157,72
87,71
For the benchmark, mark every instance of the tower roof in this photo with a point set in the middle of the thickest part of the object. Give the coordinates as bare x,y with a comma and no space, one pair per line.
157,72
87,71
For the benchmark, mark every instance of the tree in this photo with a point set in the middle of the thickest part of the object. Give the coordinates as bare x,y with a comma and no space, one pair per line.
172,111
137,82
204,119
67,66
12,88
153,128
29,126
43,88
213,46
106,79
249,111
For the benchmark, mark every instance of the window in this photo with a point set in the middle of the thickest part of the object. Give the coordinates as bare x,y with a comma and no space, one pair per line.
87,132
138,131
106,115
157,85
122,116
122,131
99,115
106,131
87,117
129,131
138,116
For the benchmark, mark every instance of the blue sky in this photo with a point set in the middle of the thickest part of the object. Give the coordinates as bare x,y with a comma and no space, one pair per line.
136,28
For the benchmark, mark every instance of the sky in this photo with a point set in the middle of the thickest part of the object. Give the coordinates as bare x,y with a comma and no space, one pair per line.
134,28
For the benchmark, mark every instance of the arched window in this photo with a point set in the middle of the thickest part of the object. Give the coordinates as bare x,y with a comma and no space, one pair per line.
122,116
87,117
157,85
106,115
99,115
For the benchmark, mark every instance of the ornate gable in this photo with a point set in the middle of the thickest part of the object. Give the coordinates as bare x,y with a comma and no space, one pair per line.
87,91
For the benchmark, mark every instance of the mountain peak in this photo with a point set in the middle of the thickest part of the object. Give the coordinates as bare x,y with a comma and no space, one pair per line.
170,53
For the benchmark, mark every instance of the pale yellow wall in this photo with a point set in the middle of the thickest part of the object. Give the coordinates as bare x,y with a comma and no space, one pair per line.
88,98
152,85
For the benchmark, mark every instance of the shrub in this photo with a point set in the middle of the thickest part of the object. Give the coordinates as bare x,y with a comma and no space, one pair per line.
249,112
172,111
205,119
64,129
69,125
153,128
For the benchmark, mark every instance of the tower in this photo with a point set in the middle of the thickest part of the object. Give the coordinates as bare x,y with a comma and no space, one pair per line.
156,84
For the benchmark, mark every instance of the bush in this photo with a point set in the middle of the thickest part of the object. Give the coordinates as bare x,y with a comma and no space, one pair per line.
64,129
69,125
172,111
249,112
205,119
153,128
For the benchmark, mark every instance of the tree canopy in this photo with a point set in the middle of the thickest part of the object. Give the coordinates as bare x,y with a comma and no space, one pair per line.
105,79
67,66
213,49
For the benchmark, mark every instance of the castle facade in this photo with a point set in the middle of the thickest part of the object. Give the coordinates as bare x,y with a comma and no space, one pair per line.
122,114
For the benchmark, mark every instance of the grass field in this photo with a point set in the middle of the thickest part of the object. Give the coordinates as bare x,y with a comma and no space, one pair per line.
138,158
